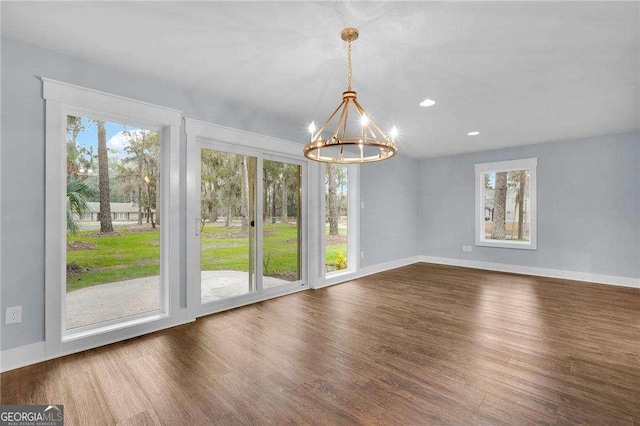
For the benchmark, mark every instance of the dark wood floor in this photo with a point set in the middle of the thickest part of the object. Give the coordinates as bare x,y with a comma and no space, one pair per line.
423,344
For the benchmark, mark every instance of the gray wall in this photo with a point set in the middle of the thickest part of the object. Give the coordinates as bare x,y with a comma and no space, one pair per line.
22,173
389,221
588,206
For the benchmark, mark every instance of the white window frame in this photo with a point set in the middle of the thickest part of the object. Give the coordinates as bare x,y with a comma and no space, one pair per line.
62,99
529,164
353,226
200,135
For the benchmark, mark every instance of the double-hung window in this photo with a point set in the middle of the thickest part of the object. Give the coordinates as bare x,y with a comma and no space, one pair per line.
506,204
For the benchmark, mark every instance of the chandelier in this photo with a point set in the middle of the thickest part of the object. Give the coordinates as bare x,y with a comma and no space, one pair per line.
355,141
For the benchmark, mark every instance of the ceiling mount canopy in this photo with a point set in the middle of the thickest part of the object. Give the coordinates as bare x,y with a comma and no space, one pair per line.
353,140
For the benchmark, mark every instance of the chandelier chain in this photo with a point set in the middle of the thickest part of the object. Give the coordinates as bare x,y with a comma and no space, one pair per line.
349,71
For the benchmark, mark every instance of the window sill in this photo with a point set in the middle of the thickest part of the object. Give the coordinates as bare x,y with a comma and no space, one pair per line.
117,324
518,245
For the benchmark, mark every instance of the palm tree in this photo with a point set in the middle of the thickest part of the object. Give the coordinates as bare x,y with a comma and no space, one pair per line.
77,193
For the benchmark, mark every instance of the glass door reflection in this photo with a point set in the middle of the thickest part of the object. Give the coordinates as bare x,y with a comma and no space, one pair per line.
281,230
227,232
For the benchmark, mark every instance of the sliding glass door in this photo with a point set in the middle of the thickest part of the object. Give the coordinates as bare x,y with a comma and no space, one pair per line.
282,223
248,218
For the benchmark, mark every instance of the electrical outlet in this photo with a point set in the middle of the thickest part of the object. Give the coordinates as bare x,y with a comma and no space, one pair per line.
464,249
14,315
361,255
469,248
361,205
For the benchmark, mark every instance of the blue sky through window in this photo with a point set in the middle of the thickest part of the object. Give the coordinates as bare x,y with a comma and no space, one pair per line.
492,180
88,138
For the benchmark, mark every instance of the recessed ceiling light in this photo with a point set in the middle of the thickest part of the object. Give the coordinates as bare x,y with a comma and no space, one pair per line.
427,102
473,133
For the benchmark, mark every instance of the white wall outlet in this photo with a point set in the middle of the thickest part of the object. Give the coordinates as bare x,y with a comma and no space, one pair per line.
464,249
14,315
469,248
361,205
361,255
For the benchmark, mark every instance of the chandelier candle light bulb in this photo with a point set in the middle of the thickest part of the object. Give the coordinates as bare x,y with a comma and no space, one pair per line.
373,143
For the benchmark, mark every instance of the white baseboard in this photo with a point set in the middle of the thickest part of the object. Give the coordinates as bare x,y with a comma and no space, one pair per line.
374,269
542,272
21,356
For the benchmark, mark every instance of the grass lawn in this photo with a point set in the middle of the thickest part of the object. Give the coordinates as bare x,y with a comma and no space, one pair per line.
228,249
124,255
129,254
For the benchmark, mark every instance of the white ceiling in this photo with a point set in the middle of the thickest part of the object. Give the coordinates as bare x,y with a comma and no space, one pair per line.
518,73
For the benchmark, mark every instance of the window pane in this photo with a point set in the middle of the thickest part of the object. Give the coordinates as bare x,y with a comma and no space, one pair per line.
336,216
228,237
113,221
506,205
281,223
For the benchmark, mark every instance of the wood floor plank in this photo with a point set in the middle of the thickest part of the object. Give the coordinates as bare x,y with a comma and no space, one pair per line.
422,344
82,392
145,418
121,392
172,401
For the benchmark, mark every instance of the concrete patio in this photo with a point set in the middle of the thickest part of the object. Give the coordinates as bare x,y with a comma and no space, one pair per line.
99,303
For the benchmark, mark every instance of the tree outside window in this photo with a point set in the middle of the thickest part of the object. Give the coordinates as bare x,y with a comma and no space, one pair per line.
505,204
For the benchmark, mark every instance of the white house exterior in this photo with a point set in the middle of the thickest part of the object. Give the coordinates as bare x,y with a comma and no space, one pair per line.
119,212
